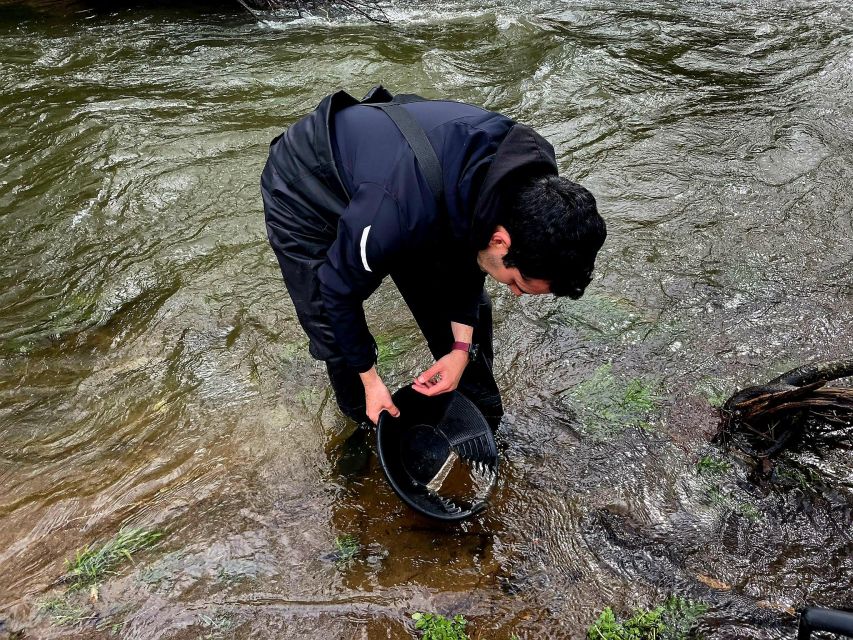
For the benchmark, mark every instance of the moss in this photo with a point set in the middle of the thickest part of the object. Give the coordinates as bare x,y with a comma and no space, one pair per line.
748,511
310,397
607,404
164,572
720,498
217,622
604,318
231,572
291,351
716,392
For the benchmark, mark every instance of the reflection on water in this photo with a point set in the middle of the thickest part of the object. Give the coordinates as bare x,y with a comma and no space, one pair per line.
152,371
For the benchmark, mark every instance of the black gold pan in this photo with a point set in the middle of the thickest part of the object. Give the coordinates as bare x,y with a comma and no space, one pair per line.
439,455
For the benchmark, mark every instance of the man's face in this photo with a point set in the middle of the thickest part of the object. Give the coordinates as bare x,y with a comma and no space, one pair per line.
491,261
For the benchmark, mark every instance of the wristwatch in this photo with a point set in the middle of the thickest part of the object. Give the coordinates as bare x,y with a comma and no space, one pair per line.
471,349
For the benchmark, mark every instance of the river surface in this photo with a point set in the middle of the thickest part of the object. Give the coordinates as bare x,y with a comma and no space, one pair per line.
153,374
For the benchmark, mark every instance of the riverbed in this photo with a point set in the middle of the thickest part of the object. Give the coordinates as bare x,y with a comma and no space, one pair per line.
153,373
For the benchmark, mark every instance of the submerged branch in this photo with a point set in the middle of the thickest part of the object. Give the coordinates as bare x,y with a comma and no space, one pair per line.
761,421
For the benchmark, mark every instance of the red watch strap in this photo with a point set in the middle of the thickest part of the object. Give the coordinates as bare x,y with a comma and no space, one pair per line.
461,346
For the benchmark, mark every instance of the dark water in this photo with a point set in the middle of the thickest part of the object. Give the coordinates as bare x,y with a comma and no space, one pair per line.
152,372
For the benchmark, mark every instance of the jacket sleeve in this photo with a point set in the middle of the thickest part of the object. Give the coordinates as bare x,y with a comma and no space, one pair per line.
369,237
464,299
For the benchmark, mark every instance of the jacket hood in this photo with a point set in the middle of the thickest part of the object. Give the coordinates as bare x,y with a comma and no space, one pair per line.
522,153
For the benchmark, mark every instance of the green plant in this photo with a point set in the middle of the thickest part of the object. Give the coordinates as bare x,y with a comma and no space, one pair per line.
680,616
716,392
672,620
607,404
717,496
389,348
217,624
236,570
110,623
164,571
61,611
801,477
437,627
598,317
346,548
709,465
720,498
638,397
91,564
748,511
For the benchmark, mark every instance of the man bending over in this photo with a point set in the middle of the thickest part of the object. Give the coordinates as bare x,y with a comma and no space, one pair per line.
435,194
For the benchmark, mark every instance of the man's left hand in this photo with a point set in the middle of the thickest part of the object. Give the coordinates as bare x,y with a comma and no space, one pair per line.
443,376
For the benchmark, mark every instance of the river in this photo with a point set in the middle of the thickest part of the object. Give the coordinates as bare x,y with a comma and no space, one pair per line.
152,372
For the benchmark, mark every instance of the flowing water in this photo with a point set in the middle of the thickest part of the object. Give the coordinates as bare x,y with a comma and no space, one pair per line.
152,372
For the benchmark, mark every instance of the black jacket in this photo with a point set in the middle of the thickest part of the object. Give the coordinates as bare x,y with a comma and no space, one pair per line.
362,168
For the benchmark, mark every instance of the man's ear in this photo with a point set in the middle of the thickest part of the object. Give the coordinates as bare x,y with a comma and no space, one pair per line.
500,238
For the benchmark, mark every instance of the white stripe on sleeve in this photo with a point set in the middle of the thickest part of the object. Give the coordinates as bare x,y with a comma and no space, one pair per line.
364,248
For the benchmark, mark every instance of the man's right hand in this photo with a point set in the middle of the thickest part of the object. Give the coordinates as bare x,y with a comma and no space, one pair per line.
376,396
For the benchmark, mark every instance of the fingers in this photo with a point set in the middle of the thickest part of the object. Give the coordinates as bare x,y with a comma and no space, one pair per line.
431,376
391,408
431,391
433,388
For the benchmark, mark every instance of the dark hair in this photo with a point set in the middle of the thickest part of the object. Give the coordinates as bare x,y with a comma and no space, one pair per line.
555,233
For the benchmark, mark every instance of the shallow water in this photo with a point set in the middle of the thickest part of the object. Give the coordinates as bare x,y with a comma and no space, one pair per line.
152,372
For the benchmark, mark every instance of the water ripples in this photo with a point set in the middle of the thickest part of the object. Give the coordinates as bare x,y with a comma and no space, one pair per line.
152,371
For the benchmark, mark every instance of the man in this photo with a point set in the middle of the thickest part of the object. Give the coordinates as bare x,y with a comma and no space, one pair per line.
436,194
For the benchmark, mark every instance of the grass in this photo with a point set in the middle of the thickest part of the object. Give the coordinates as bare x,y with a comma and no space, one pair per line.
87,570
392,347
436,627
711,466
62,612
794,476
607,404
675,619
92,564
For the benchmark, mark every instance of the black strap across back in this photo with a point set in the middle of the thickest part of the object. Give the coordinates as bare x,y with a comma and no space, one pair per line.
417,139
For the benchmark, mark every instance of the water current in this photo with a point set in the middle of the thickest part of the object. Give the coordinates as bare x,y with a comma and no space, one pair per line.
153,374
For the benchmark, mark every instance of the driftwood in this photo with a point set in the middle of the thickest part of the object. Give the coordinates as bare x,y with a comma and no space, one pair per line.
762,421
370,9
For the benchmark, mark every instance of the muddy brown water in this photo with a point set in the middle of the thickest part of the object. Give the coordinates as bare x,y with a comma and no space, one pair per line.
152,372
